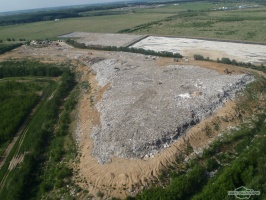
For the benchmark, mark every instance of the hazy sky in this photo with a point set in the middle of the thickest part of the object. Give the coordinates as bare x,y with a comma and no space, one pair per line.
11,5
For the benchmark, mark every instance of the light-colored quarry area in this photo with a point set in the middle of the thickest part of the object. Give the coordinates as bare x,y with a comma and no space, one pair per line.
254,53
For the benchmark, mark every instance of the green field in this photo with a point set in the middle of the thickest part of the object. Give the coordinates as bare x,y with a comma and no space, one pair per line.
196,19
52,29
200,21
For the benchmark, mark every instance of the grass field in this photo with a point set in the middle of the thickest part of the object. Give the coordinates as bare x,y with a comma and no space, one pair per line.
51,29
197,19
244,24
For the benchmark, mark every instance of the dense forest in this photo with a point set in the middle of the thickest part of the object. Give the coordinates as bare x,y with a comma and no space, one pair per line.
17,97
17,100
24,182
8,47
28,68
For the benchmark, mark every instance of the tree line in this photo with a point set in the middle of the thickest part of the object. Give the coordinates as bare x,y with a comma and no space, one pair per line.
228,61
17,100
124,49
28,68
8,47
24,181
55,14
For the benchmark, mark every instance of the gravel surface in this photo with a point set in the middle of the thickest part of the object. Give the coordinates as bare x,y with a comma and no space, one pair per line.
253,53
103,39
147,107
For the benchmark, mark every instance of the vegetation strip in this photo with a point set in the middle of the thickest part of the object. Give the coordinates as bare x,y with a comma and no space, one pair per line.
34,140
232,62
124,49
8,47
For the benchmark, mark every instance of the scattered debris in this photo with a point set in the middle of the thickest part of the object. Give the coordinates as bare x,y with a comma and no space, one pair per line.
140,115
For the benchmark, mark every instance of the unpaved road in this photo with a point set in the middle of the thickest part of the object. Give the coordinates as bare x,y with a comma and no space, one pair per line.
17,135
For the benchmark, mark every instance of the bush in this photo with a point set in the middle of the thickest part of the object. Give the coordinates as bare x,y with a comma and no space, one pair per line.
212,164
5,48
226,61
100,194
198,57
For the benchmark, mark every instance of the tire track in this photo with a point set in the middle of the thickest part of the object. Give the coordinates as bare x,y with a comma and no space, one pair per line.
19,137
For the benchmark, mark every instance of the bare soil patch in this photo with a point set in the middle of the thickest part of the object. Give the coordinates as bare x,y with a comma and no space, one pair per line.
103,39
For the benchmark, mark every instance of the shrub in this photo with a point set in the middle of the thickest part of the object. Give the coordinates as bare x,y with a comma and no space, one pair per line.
100,194
226,61
212,164
198,57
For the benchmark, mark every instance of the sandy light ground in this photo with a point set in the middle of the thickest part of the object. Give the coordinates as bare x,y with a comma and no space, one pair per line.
253,53
103,39
121,177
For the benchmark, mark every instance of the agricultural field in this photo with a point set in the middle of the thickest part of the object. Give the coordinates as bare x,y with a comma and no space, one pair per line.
98,24
195,19
241,24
